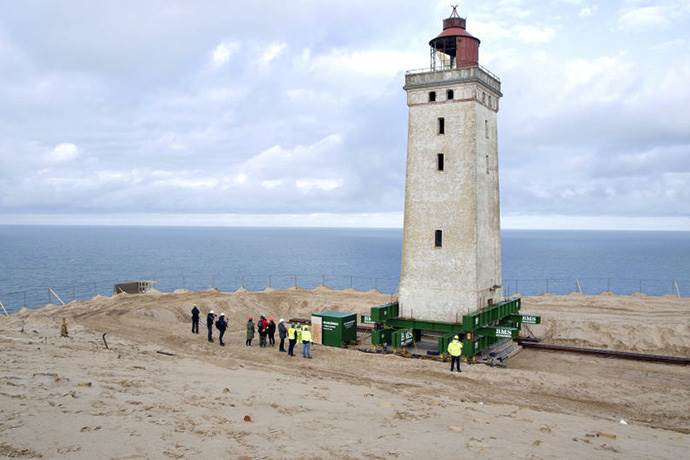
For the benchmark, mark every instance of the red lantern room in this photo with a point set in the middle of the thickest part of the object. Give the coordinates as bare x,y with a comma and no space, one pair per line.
454,47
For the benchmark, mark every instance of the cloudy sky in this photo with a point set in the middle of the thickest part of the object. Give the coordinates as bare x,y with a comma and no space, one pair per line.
293,113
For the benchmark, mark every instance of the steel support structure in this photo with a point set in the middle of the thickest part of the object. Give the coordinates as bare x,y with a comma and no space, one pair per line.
479,330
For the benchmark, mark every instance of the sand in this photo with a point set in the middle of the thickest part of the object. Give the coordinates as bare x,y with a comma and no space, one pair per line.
72,398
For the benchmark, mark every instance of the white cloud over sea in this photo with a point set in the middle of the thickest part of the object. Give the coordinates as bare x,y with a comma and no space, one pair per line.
267,113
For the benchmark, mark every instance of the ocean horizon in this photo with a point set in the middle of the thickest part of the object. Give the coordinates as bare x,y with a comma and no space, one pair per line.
78,262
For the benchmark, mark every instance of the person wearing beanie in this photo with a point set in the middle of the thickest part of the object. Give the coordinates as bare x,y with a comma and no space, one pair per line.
271,332
282,334
209,324
250,332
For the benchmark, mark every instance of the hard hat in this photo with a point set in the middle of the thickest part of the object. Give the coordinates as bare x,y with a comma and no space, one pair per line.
281,320
222,314
306,327
211,312
456,338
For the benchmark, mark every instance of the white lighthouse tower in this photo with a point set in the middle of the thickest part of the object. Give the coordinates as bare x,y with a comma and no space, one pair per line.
451,258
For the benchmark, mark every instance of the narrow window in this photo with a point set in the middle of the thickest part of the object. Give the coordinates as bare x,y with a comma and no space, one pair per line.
432,96
441,125
487,164
439,161
438,238
486,129
450,94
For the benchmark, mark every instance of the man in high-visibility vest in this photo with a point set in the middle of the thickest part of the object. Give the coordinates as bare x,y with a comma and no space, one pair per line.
306,342
292,339
455,350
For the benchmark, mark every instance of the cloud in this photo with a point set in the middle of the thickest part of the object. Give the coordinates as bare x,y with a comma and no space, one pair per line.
272,51
593,122
645,17
221,54
587,11
63,153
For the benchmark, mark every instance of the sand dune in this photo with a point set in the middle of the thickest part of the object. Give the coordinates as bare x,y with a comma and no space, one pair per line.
72,398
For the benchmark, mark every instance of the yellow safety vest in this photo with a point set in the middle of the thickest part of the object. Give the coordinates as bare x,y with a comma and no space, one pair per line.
455,348
299,335
306,336
291,333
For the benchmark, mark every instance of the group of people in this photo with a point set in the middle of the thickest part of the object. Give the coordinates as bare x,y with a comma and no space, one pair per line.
294,333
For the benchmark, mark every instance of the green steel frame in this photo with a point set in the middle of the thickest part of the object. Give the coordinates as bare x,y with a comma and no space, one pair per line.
479,330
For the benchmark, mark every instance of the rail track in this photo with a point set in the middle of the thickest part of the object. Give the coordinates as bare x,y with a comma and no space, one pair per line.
536,345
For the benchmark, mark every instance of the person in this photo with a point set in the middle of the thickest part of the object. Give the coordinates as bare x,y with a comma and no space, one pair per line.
298,333
209,324
455,350
222,325
262,327
282,333
271,332
292,339
195,320
250,332
306,342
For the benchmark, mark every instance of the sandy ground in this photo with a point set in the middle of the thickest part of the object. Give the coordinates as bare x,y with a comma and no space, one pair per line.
72,398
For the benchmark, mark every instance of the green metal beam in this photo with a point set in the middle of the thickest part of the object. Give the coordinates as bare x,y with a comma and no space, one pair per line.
432,326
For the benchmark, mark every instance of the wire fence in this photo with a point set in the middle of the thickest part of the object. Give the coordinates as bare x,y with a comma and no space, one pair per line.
31,298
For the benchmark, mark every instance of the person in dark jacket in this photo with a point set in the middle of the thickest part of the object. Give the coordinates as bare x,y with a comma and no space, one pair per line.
209,324
250,332
195,320
282,333
271,332
262,327
222,325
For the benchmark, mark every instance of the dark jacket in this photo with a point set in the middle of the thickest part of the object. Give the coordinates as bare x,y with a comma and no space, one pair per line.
195,313
221,324
209,320
250,329
271,328
282,330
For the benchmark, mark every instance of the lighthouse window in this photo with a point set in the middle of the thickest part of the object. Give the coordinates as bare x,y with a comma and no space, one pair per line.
439,161
432,96
450,94
438,238
441,125
486,129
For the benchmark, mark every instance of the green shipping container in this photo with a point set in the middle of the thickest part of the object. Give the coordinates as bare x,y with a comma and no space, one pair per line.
337,328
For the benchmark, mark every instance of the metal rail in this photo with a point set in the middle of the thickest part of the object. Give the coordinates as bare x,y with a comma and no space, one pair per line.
606,353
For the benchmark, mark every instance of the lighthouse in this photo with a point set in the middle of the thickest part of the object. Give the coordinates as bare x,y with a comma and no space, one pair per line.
451,255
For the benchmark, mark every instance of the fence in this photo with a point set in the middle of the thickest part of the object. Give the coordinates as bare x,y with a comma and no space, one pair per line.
13,301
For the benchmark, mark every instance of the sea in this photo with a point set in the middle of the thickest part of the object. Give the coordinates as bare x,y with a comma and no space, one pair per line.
79,262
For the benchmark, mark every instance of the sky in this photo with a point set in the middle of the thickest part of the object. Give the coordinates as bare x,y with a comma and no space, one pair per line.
293,113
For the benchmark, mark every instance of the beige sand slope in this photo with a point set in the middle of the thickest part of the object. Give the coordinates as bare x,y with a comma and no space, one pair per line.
71,398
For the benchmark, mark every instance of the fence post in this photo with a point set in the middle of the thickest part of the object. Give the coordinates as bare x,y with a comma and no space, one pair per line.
547,286
270,283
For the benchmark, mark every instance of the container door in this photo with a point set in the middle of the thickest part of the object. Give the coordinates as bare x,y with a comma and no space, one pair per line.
316,329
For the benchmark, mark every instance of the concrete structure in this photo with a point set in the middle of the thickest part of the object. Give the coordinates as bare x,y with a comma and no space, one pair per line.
451,259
